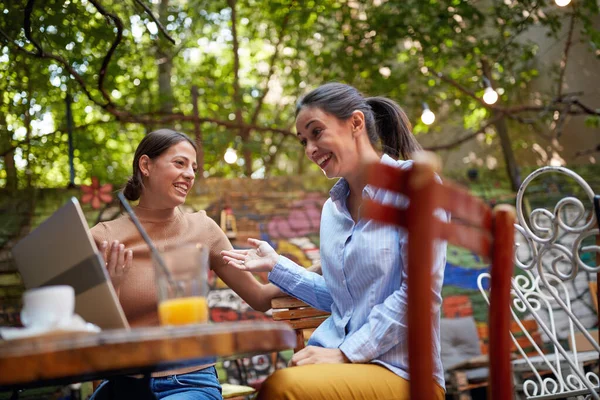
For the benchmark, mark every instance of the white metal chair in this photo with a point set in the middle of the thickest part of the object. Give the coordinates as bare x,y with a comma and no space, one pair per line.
547,266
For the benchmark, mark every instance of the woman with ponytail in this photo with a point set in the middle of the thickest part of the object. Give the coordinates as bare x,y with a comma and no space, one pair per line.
164,168
360,351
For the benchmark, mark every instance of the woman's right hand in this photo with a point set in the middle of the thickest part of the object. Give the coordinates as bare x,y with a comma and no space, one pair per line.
262,258
117,259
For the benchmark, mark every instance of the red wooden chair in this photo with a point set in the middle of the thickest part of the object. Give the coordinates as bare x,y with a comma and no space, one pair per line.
474,226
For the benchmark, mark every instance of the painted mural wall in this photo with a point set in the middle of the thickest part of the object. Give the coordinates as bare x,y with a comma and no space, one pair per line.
286,213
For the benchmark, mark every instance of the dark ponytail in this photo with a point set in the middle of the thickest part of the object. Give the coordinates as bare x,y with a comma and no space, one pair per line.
393,128
387,125
152,145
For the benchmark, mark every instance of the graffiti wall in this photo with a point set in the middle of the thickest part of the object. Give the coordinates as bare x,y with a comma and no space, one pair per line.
286,213
290,223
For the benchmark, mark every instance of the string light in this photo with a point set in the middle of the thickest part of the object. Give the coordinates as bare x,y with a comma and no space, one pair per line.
230,156
562,3
490,96
427,116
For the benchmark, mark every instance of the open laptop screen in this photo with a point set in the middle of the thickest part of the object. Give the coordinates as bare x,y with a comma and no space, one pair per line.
61,251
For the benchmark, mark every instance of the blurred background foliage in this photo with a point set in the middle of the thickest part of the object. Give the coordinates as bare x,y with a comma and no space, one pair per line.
249,78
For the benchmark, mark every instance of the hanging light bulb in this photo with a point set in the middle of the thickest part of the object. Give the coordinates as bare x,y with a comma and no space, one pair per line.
427,116
562,3
490,96
230,156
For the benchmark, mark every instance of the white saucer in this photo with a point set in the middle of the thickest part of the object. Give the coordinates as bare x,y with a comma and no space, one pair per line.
75,324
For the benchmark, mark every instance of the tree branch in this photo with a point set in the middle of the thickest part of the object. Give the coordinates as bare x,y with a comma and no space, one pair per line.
27,25
466,138
127,116
588,152
271,67
555,105
156,21
462,89
103,69
563,61
237,98
16,46
151,118
268,163
42,54
534,124
59,130
520,29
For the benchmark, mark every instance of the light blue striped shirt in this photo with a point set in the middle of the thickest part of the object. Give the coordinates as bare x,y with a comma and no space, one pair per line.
364,283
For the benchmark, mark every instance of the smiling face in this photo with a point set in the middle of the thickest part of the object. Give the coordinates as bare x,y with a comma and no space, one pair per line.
170,176
327,141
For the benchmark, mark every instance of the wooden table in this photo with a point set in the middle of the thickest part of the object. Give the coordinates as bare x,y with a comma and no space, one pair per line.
46,361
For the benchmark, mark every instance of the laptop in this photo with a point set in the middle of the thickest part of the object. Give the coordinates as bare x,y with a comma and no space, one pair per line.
61,251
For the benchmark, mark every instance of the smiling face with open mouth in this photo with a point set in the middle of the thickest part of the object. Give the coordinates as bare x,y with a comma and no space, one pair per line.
327,141
171,176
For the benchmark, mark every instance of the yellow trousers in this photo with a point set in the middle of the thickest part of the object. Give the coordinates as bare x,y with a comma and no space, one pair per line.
337,382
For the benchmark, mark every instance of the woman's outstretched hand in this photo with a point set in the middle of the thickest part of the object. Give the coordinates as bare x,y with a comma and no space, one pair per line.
262,258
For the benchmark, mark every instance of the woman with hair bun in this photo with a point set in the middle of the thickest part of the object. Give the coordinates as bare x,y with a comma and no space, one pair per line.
164,168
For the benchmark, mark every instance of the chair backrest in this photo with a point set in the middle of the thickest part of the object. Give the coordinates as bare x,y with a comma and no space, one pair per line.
474,226
553,242
302,317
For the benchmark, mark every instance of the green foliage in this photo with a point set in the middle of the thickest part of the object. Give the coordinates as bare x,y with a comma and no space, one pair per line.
392,48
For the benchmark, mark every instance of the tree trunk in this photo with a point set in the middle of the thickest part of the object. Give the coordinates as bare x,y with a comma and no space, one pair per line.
247,153
68,101
509,156
237,94
512,168
198,134
165,64
9,158
27,122
27,152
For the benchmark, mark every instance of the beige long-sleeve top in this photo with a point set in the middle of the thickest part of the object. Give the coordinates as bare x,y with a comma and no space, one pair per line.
136,288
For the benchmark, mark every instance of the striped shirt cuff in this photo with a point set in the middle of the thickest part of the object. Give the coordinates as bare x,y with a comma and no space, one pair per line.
359,349
283,273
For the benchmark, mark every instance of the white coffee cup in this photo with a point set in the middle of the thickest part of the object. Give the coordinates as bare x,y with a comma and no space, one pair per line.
48,306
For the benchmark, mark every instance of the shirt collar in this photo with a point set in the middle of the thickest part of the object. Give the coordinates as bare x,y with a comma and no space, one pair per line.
341,189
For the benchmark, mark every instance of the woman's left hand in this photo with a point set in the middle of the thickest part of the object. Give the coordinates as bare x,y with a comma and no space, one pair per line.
262,258
318,355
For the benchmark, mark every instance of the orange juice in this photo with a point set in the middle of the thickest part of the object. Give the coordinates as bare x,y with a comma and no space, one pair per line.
184,310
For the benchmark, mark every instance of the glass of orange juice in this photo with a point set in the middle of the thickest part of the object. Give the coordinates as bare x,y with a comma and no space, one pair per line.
182,292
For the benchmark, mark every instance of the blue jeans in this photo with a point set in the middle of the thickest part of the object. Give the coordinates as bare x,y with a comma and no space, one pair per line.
199,385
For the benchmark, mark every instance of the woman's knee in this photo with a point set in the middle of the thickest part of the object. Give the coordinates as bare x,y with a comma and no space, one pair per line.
281,385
